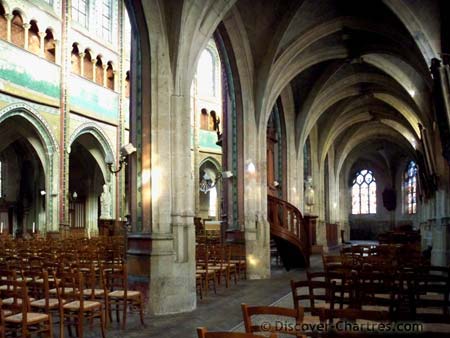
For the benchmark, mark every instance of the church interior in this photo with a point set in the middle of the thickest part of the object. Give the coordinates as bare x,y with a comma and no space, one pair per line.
224,168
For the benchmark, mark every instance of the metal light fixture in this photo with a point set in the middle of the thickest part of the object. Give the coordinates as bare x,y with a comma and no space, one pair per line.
207,182
125,151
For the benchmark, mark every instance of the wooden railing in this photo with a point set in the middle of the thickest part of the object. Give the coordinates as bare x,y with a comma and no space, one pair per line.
287,222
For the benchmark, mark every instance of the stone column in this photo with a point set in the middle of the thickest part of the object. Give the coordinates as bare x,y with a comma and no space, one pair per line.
426,235
94,69
9,18
82,55
257,226
104,75
172,256
196,154
26,28
437,242
441,241
42,43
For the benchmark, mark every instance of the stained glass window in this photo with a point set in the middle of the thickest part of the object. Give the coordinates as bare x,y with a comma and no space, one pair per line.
410,188
364,193
307,159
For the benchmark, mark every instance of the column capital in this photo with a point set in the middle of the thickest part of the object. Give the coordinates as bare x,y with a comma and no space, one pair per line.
26,26
82,55
94,61
9,16
104,66
42,34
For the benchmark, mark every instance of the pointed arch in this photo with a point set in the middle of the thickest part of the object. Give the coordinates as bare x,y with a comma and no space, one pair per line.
51,155
17,29
31,115
96,131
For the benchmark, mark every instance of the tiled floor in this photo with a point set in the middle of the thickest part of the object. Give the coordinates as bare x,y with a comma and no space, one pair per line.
216,312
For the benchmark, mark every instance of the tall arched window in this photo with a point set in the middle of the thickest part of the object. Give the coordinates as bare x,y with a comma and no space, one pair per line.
34,44
307,170
410,188
206,74
364,193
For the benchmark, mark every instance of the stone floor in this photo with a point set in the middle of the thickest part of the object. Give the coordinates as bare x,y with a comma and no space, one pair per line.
216,312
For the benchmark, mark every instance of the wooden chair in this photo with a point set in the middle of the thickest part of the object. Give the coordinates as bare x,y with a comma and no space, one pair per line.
203,268
238,258
119,296
22,319
76,308
217,262
232,268
199,284
38,286
203,333
429,289
330,316
376,290
296,315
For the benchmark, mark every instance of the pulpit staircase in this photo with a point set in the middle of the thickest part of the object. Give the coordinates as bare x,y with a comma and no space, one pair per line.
289,230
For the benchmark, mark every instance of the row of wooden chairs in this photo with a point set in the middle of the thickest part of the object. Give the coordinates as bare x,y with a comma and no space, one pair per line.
217,263
253,326
83,281
394,254
422,293
283,321
73,298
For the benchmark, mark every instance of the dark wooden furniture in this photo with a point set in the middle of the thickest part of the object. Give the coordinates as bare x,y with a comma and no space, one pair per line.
203,333
296,315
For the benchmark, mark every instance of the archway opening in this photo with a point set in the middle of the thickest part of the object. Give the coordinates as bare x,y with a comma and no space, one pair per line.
87,183
23,184
17,30
49,46
34,45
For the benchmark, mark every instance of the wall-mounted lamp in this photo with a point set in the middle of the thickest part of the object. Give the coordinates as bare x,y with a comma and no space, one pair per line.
43,192
276,183
74,195
125,151
207,182
227,174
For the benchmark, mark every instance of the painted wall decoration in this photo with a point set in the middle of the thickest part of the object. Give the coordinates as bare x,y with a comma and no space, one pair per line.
24,69
91,99
208,139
